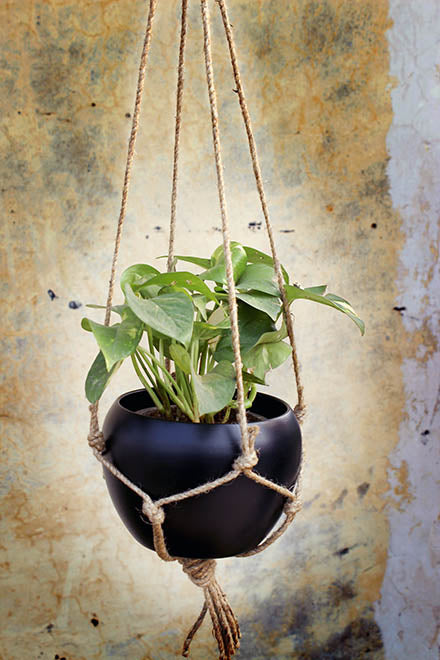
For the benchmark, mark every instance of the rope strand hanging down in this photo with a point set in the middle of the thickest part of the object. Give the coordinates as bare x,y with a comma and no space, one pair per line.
300,408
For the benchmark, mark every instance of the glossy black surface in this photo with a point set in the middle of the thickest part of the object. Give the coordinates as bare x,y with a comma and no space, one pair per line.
164,458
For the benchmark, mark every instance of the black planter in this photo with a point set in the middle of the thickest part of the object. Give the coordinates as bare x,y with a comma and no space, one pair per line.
164,458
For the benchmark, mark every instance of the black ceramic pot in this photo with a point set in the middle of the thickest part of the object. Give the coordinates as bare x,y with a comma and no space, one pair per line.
164,458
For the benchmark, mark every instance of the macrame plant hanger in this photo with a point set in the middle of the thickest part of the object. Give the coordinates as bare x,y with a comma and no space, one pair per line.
202,571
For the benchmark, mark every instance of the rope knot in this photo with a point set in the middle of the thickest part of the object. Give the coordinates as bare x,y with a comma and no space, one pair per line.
246,461
96,440
201,572
155,514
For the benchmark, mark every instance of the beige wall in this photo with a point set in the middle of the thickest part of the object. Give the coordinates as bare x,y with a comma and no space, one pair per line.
319,89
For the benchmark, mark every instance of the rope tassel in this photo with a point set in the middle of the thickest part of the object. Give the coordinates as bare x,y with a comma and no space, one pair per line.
224,624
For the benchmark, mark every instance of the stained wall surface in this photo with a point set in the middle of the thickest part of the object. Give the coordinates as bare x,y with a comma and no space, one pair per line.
343,97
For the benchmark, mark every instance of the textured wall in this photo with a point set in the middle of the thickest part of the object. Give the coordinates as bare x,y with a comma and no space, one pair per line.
317,74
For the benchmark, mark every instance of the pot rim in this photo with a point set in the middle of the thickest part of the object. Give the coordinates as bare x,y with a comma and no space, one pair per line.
267,420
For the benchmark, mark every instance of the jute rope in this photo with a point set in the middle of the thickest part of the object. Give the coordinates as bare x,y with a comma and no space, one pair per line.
300,407
202,572
179,100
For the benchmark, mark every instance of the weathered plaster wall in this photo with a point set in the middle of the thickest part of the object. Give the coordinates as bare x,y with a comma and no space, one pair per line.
74,584
409,610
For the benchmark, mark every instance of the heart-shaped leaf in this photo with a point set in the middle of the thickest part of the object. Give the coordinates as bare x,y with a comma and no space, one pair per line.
262,301
259,277
99,377
256,257
263,357
332,300
171,314
117,341
218,271
252,324
215,389
137,275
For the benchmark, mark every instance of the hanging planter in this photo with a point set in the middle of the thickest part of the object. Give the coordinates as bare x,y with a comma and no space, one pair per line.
165,458
198,464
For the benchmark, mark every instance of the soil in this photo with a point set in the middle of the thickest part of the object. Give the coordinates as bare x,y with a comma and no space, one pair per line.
179,416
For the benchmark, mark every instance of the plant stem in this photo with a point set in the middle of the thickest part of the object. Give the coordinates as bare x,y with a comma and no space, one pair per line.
146,385
179,398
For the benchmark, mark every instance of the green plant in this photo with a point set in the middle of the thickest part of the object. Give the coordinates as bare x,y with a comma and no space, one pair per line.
184,321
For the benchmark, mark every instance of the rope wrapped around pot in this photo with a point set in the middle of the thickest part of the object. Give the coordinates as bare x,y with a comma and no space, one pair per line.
202,571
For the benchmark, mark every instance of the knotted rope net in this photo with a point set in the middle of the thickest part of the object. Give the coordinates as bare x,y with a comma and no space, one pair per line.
202,571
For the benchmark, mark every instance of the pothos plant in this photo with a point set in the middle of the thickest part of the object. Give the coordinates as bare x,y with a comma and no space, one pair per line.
182,318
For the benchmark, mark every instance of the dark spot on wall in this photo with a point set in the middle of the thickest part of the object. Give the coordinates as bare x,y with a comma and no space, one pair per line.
343,91
339,592
254,225
362,489
400,310
340,500
217,228
286,231
425,435
93,104
94,621
147,236
128,115
373,225
52,295
342,552
74,304
18,112
360,639
49,627
330,208
157,228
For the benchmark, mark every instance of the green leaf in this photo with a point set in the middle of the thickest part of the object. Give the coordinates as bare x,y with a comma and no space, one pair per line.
332,300
171,314
204,331
137,275
120,340
252,324
259,277
85,324
256,257
181,357
320,290
185,280
218,271
200,303
273,336
198,261
99,377
263,357
215,389
252,378
262,301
